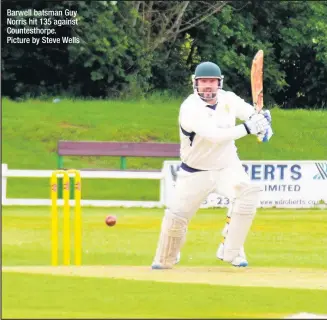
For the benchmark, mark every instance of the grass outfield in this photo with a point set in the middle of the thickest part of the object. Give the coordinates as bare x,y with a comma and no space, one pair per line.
31,130
44,296
287,270
286,248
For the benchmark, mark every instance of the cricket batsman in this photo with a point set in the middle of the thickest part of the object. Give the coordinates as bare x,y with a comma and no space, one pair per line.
210,163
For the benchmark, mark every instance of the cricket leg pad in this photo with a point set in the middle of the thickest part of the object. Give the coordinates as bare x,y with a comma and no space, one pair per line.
243,211
171,240
220,250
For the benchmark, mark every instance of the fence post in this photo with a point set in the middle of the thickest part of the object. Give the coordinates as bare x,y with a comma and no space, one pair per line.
123,164
4,169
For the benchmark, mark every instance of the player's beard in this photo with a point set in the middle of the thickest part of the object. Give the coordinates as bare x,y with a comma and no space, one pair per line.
207,95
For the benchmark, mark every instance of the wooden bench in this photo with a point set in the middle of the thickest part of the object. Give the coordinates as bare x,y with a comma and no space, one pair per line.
121,149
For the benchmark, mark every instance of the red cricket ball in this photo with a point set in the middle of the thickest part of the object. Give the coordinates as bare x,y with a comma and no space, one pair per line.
111,221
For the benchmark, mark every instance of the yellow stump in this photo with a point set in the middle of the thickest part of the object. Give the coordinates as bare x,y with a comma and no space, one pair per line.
78,219
66,218
54,220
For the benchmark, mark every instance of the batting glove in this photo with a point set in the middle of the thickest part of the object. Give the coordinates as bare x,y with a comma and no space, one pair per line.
258,123
267,134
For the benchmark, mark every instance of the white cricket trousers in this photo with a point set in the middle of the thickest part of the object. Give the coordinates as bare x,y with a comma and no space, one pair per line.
192,188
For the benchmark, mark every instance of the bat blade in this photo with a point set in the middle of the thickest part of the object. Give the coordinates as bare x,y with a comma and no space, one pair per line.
257,80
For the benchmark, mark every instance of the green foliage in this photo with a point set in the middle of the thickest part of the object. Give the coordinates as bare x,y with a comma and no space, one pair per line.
29,70
111,54
131,48
303,54
293,37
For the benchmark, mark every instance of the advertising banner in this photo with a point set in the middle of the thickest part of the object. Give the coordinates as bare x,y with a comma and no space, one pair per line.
285,184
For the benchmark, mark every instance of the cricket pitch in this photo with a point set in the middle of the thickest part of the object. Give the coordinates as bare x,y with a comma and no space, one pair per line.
301,278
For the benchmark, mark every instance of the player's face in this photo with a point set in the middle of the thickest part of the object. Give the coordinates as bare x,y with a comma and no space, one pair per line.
207,88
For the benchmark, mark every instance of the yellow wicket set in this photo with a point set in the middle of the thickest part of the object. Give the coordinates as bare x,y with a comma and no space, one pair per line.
66,217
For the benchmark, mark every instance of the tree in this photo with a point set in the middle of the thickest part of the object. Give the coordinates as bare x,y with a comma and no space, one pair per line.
303,47
110,60
163,26
30,70
293,37
129,48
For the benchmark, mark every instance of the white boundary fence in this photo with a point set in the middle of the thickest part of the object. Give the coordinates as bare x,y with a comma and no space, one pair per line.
285,184
7,173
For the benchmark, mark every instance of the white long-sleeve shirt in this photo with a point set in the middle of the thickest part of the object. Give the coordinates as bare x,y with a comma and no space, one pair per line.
207,135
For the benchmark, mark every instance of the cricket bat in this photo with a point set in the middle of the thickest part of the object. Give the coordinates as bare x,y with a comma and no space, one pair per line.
257,80
257,85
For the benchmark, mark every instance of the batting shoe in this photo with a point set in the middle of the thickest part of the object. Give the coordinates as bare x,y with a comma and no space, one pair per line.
161,266
158,266
239,261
